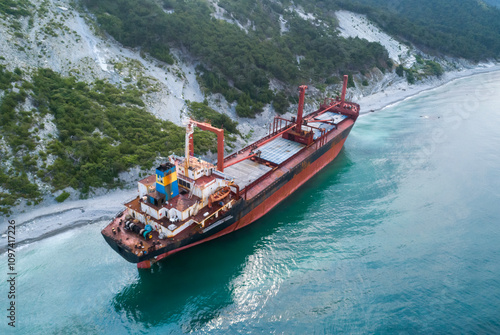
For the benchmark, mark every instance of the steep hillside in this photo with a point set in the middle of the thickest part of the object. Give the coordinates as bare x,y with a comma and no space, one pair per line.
251,43
74,106
81,112
459,28
244,45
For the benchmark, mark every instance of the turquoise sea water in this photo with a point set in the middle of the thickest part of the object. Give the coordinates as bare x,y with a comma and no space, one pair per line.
400,234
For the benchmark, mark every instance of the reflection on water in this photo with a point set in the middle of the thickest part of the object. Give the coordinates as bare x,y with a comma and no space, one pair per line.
192,287
398,235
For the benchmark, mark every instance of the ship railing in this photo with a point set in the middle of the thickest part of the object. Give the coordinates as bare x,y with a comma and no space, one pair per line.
266,175
222,175
321,140
119,213
131,199
248,147
225,207
277,125
275,128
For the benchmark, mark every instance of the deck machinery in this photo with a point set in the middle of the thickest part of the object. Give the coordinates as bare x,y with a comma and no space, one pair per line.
189,201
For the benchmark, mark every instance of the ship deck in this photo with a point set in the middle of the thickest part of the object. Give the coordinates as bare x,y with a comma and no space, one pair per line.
138,244
275,156
265,181
279,155
246,172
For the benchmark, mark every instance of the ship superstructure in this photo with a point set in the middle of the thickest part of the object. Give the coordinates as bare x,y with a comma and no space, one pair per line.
189,201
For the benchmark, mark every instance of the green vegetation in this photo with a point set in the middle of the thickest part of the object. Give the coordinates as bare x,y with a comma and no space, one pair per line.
63,196
15,8
432,68
350,81
410,77
102,130
400,70
14,130
423,68
215,83
7,77
201,112
460,28
236,63
281,103
18,186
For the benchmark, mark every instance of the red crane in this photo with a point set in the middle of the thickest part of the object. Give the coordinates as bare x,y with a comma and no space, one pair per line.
220,141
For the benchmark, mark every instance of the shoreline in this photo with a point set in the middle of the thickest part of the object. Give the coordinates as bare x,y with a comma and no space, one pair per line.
51,218
402,91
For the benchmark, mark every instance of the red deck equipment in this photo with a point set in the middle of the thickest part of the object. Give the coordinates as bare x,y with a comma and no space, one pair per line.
214,201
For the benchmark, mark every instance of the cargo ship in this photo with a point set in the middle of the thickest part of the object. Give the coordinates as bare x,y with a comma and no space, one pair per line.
189,201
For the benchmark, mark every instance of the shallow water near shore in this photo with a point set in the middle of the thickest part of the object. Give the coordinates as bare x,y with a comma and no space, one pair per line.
400,234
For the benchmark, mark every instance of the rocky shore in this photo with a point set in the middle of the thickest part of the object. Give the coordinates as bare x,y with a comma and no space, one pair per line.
76,48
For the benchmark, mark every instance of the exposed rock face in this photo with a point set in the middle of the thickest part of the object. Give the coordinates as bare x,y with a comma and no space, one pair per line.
66,40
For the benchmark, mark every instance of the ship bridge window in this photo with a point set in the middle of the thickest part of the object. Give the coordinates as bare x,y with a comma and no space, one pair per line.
184,184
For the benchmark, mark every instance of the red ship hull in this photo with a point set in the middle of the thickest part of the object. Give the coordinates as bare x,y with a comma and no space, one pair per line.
256,179
307,172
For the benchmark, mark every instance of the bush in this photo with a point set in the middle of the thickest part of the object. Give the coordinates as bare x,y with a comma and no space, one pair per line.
433,68
400,70
63,196
410,77
350,81
201,112
281,103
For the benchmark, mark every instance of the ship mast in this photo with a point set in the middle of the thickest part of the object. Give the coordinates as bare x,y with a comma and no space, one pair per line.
302,90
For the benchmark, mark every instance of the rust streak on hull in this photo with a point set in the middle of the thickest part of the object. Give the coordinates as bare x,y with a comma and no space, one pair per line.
308,171
188,202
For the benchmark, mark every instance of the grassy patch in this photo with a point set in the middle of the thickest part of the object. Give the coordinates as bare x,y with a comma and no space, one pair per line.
101,130
235,62
63,196
201,112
